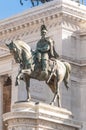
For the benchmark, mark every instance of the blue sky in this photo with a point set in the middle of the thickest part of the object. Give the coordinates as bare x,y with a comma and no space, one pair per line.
9,8
12,7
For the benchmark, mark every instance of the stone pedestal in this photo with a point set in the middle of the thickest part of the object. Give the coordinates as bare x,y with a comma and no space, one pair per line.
39,116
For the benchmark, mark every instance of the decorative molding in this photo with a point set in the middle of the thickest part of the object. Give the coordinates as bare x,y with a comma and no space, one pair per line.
3,51
35,16
41,116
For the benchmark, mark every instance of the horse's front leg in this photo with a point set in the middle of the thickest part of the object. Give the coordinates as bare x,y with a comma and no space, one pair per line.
18,78
28,93
27,80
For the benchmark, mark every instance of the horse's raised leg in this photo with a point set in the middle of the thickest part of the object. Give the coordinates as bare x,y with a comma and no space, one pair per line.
28,93
18,78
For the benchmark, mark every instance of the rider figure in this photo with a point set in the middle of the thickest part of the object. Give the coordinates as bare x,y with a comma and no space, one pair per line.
45,50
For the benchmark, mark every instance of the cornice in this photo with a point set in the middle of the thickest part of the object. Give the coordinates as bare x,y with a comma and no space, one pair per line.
51,10
79,63
4,51
82,33
74,10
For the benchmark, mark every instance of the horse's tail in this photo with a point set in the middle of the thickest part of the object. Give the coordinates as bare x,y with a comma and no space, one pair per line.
67,74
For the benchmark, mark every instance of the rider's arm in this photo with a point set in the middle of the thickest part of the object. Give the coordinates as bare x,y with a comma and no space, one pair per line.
44,49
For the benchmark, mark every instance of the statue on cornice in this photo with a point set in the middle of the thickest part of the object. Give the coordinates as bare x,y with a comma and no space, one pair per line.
37,2
42,64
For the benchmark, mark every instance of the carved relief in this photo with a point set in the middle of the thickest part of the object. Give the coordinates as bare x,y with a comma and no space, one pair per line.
40,124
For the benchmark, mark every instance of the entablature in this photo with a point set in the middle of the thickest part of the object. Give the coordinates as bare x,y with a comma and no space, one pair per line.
59,10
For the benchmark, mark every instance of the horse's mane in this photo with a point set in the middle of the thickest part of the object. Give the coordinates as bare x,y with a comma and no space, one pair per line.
22,45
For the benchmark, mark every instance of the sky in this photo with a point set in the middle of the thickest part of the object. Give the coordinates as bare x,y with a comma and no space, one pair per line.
9,8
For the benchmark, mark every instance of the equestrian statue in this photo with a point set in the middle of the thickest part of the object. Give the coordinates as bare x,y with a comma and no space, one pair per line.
42,64
37,1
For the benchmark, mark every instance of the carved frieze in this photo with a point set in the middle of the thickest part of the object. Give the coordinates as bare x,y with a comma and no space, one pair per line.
18,25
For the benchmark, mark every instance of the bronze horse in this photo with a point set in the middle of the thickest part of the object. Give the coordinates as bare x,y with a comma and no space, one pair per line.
32,1
58,72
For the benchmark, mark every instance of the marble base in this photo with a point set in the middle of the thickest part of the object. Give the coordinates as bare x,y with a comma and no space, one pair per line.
39,116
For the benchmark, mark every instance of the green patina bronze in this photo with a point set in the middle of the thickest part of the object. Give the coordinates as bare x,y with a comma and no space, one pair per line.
45,51
42,64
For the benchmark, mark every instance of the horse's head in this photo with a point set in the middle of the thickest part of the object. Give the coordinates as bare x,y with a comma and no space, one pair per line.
11,47
14,51
21,51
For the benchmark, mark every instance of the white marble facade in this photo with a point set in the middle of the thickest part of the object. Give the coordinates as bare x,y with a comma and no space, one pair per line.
66,24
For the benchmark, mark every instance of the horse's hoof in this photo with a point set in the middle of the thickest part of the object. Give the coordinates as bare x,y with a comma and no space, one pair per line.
28,100
52,103
16,83
36,103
